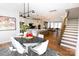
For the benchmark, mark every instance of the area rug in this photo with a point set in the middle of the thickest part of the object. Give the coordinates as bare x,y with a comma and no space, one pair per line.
7,52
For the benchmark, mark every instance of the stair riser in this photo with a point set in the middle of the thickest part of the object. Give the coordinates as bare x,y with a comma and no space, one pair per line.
72,27
68,42
70,39
72,24
72,34
73,21
67,46
71,31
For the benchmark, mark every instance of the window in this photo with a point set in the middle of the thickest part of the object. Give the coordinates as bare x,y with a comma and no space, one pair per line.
59,25
49,24
54,24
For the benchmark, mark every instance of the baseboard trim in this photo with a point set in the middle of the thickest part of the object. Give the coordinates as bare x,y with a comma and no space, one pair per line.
3,42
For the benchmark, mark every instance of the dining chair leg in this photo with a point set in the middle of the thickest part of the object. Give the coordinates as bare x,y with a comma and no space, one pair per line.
46,53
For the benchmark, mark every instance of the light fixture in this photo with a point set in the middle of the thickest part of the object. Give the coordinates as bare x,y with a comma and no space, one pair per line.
26,14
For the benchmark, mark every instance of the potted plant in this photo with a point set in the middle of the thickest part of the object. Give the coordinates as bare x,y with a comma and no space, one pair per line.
23,27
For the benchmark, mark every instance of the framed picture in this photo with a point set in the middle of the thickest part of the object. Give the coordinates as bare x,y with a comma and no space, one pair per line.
7,23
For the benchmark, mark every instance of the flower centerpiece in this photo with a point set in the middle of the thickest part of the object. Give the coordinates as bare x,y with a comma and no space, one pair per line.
28,35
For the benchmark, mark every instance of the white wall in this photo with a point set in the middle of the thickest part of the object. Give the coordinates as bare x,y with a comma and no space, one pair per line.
77,47
74,12
8,10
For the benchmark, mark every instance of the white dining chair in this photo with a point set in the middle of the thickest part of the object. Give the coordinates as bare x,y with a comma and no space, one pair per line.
29,44
40,36
18,47
12,49
41,48
34,32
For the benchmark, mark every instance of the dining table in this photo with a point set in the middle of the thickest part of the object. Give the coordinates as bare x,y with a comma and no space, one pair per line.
29,42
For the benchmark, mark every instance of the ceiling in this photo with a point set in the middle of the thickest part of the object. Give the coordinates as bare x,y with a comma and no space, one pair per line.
41,9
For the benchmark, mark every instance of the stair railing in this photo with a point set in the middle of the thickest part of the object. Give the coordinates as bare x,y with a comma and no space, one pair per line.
63,26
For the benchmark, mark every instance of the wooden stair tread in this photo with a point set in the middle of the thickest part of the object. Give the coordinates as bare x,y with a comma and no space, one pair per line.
71,34
74,37
70,41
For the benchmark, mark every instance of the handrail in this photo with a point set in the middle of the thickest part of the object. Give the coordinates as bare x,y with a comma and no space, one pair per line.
63,28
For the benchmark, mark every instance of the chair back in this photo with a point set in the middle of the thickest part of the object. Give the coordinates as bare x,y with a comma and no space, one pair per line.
40,36
34,32
17,45
41,48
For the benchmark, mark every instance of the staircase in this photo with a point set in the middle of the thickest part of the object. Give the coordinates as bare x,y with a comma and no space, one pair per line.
70,36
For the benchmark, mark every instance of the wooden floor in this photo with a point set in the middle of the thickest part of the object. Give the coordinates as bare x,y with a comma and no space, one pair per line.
53,43
52,37
5,45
